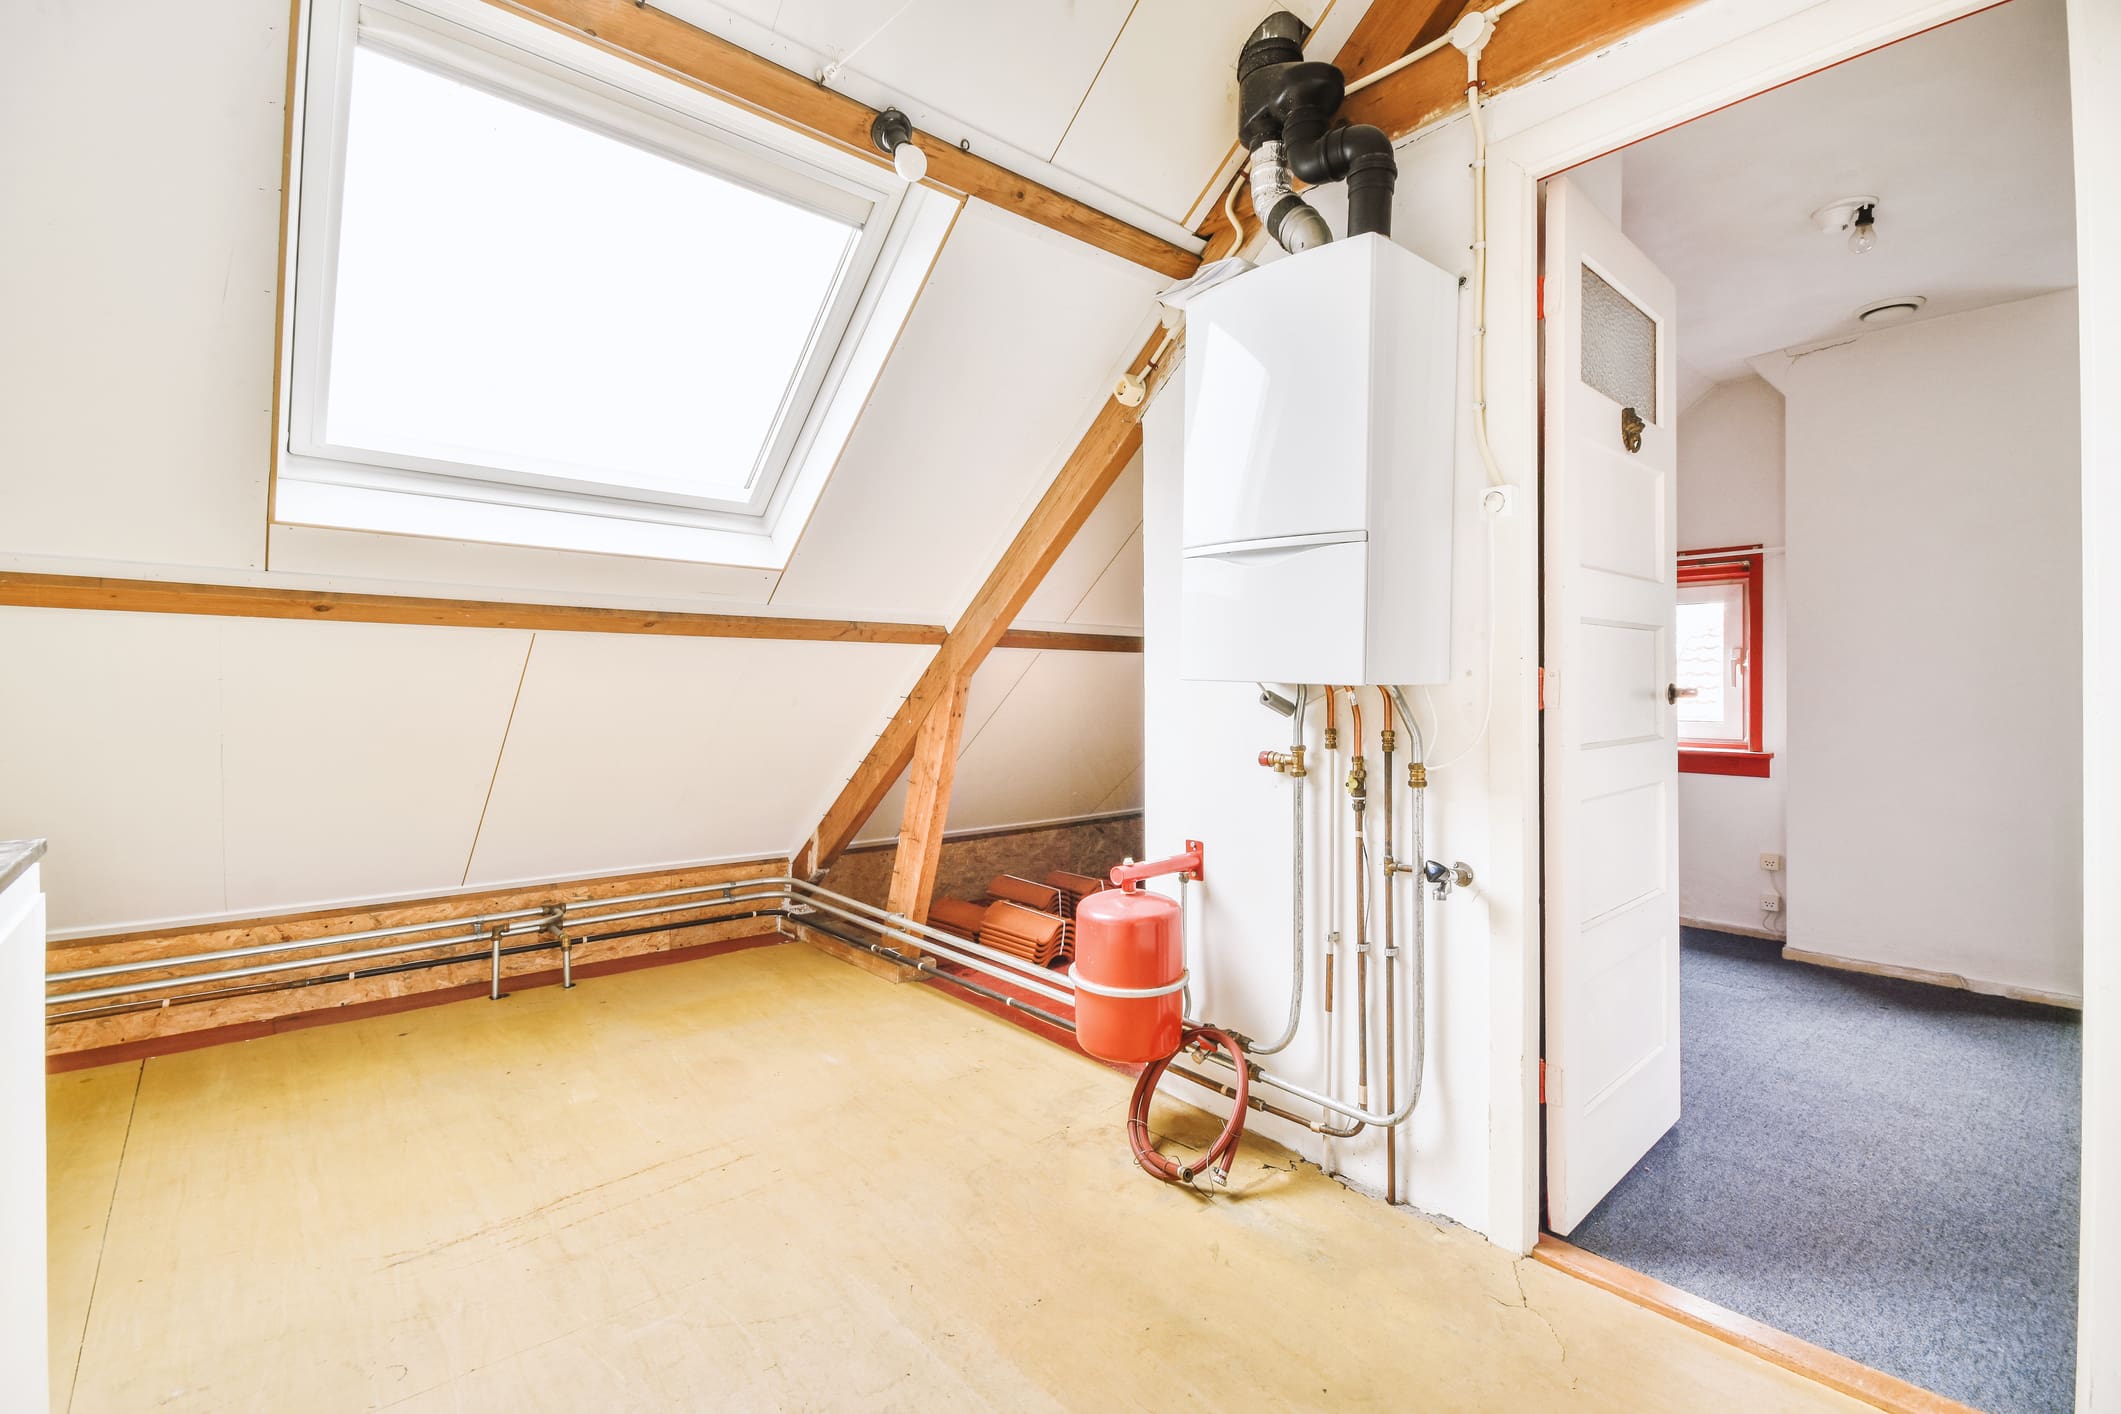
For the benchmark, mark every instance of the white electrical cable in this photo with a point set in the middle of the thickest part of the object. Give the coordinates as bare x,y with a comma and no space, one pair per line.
1237,227
1487,710
1410,57
1415,56
832,70
1480,274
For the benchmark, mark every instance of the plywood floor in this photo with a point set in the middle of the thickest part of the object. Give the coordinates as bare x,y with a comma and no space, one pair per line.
762,1181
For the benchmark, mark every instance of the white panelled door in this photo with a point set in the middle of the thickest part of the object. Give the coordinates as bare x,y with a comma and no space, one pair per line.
1610,725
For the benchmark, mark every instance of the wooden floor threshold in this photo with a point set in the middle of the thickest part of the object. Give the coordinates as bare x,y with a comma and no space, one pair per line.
1838,1372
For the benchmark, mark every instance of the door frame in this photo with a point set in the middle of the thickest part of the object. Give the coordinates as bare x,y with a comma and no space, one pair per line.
1719,53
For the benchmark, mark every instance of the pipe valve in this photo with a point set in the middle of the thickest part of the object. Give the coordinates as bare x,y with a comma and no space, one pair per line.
1289,763
1442,876
1358,776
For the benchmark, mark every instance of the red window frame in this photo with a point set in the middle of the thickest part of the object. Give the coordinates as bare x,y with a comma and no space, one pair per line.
1732,564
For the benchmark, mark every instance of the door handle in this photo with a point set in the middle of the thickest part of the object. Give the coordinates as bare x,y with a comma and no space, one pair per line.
1631,425
1673,692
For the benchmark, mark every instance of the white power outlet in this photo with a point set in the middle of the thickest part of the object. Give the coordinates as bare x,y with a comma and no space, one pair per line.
1771,862
1771,904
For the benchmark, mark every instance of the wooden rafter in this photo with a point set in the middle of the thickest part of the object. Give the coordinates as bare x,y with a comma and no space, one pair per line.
1389,30
928,782
658,40
160,596
1532,40
1114,437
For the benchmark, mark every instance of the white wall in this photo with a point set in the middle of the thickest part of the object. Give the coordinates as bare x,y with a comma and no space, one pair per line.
1730,493
1935,790
189,768
2095,55
1203,782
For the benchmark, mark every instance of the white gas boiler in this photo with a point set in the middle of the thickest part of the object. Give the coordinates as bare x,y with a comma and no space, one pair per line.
1320,397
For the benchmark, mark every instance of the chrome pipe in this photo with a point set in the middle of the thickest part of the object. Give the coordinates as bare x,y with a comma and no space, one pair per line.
951,951
83,974
262,969
927,935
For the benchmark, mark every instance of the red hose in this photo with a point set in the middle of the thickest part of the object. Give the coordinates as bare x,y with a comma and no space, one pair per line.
1224,1149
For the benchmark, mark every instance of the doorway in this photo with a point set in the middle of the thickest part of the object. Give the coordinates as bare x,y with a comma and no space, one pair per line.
1808,1055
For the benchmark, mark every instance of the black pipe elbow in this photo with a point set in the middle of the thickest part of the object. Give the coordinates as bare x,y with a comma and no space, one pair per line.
1373,173
1359,154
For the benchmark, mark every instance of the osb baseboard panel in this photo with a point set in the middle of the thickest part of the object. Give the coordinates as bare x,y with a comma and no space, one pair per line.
278,996
970,860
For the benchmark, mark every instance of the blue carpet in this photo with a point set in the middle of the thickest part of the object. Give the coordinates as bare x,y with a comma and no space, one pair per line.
1880,1167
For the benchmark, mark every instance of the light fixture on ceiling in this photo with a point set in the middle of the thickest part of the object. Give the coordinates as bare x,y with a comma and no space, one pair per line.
892,132
1891,311
1857,215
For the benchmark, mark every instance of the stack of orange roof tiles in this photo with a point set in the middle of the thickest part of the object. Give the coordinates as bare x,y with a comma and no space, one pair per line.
1022,932
1021,917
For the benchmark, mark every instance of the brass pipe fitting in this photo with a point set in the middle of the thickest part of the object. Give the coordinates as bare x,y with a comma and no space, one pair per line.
1358,776
1290,763
1332,738
1417,775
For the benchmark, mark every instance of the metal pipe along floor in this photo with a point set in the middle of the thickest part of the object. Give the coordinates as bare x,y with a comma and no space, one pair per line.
763,1180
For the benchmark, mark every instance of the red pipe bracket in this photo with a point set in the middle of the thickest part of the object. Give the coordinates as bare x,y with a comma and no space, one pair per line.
1189,864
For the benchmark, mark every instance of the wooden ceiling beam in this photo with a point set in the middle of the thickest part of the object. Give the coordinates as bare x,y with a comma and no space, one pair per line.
1115,435
658,40
1391,29
244,601
1531,41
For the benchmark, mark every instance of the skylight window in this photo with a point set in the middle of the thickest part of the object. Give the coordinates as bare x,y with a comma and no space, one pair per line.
535,278
596,310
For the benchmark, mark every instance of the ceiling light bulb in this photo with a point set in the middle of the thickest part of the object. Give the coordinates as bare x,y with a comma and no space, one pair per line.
1863,231
909,162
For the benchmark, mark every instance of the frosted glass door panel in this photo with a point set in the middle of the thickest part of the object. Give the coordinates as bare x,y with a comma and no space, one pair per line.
1619,347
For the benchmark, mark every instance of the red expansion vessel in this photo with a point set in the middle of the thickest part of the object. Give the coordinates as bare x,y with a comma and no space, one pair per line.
1130,966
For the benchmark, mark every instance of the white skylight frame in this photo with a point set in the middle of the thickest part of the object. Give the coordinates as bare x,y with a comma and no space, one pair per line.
361,489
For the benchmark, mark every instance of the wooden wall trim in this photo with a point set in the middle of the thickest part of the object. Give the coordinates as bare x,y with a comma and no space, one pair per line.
1835,1371
658,40
323,988
1063,641
157,596
60,1062
154,596
1113,439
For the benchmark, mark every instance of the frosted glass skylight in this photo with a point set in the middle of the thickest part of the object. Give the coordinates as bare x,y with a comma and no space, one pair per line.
529,297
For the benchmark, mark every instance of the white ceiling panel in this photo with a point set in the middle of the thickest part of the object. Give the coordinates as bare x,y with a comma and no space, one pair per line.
991,685
1163,113
1069,732
1017,70
1962,133
632,751
1115,601
1048,735
1000,368
356,757
1101,540
113,731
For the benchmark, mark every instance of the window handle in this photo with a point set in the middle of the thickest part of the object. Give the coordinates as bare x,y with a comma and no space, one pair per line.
1673,692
